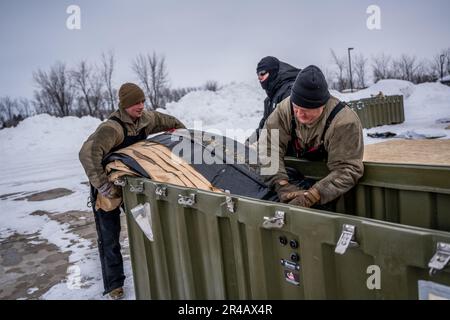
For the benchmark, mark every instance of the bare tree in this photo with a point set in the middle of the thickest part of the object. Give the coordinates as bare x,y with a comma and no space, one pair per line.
97,94
152,74
8,107
90,84
81,76
107,74
55,93
442,57
342,70
24,107
360,63
381,66
405,67
211,85
12,111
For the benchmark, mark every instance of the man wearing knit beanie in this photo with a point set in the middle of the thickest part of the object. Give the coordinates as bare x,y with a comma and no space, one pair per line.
315,126
129,124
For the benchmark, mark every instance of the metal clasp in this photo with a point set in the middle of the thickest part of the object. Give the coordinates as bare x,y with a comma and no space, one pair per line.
347,239
229,202
137,189
120,183
440,259
161,191
275,222
188,201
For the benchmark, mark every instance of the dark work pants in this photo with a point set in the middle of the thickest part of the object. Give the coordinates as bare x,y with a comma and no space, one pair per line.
108,233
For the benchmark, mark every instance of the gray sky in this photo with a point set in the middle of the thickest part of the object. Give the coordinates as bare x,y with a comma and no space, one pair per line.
209,40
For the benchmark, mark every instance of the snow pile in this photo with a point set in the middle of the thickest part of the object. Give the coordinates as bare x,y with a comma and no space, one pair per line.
235,106
387,87
44,133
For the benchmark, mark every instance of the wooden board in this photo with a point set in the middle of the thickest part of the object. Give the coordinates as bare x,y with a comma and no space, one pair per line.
432,152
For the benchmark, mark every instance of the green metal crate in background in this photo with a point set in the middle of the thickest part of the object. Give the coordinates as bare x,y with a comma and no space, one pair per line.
379,111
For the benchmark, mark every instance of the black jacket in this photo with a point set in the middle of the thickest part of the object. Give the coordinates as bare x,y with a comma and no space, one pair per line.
278,88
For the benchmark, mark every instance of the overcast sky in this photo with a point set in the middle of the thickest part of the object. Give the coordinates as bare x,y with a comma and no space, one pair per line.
209,40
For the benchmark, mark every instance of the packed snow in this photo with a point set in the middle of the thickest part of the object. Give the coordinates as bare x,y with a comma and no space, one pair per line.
41,153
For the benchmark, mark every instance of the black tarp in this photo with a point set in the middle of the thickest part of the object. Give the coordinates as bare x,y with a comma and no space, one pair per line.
224,162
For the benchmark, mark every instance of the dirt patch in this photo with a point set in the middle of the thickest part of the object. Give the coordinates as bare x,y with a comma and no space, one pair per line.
430,152
28,270
47,195
30,265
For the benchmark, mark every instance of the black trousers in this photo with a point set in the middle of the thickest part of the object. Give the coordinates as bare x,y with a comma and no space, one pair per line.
108,234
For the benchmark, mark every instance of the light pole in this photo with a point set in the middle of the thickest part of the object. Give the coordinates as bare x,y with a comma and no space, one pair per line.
442,60
350,66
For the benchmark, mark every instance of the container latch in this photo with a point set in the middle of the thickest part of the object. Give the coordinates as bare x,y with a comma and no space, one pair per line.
137,189
161,191
440,259
120,183
347,239
229,201
275,222
188,201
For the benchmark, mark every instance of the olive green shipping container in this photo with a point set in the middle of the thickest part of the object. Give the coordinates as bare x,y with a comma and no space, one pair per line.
390,238
378,111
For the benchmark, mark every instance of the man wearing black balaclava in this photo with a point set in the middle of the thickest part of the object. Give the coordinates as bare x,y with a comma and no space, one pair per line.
276,78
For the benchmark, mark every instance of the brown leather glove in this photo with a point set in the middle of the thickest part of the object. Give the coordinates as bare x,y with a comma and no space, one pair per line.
306,198
286,191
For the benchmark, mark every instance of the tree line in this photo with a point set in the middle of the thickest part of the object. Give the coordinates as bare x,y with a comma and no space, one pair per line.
88,89
384,66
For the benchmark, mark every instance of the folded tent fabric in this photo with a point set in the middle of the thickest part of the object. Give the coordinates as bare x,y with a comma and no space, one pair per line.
154,159
159,164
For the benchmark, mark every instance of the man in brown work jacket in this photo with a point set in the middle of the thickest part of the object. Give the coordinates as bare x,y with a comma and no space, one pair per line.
316,126
129,124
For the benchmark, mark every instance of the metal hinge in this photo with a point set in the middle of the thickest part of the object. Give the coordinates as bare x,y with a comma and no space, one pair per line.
161,191
275,222
347,239
120,183
186,201
440,259
229,202
137,189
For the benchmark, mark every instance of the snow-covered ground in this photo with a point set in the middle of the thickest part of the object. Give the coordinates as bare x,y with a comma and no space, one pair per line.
41,153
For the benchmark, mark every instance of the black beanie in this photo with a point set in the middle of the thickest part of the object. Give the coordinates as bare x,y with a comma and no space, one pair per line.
310,89
269,64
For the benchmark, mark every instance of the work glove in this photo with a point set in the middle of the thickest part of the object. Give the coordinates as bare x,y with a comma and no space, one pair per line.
286,191
107,190
306,198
